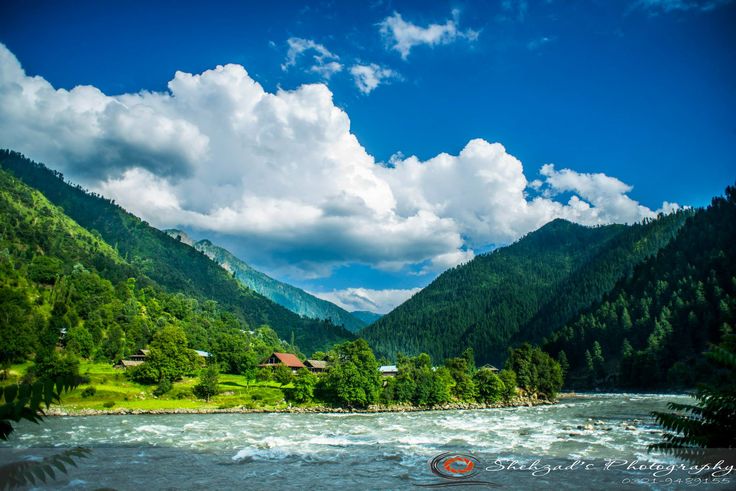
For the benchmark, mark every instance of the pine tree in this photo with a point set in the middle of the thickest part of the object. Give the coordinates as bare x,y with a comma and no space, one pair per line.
711,422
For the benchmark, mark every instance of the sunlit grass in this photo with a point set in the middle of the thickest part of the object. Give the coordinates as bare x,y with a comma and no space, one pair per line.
114,391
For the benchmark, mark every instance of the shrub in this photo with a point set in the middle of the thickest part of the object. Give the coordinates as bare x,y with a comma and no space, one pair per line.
89,391
490,386
180,393
304,383
508,377
163,387
282,374
109,404
52,365
144,373
264,375
208,383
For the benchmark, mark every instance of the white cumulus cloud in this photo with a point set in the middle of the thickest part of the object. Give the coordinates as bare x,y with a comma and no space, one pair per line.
282,173
378,301
323,61
402,35
369,77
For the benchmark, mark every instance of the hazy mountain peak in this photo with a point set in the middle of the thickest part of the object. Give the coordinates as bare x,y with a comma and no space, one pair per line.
288,296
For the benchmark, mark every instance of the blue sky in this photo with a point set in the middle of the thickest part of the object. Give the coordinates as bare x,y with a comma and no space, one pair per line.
631,102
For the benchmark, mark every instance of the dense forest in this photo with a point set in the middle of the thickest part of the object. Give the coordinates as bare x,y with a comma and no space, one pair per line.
521,292
148,255
653,327
61,285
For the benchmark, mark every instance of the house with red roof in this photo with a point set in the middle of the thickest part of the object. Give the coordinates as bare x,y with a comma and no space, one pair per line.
286,359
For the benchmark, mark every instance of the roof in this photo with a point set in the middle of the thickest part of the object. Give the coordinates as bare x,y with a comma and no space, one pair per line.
288,359
388,368
317,364
203,354
130,363
489,367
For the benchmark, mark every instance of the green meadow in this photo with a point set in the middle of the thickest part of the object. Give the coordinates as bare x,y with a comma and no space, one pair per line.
110,389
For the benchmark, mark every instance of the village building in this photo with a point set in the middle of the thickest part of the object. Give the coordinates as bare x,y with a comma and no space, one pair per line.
388,370
489,367
141,355
125,364
316,366
286,359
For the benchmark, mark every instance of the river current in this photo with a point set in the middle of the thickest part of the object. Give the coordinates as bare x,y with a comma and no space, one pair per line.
371,450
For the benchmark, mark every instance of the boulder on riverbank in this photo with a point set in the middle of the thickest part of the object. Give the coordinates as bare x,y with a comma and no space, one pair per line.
519,401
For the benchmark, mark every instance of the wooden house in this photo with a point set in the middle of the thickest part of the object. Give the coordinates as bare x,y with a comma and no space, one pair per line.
125,364
316,366
140,355
286,359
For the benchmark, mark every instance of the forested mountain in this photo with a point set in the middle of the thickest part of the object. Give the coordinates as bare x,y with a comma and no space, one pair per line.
520,292
366,316
288,296
61,285
170,264
651,329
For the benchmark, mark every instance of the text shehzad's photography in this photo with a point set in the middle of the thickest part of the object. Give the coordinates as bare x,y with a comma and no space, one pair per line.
385,245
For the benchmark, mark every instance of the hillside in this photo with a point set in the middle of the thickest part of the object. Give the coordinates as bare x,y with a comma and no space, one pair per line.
520,292
288,296
174,266
60,284
651,329
366,316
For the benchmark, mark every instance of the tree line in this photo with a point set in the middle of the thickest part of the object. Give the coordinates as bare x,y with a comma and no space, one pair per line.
651,330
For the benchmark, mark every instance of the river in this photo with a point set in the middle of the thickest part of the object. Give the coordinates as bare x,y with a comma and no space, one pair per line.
367,450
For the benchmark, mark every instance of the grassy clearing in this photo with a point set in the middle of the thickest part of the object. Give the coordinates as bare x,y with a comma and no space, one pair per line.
113,390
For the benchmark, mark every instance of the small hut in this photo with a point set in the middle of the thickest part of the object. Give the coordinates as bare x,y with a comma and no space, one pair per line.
125,364
140,355
316,366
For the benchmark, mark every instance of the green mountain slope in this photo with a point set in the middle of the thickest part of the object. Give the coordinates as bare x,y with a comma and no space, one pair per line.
61,285
520,292
651,329
366,316
288,296
173,265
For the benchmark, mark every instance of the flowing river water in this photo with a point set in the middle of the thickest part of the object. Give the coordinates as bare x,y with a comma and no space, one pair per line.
370,450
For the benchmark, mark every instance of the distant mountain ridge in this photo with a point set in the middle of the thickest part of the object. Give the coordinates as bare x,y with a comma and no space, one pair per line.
366,316
518,293
288,296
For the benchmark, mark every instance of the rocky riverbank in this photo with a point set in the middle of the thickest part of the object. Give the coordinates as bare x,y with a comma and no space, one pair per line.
378,408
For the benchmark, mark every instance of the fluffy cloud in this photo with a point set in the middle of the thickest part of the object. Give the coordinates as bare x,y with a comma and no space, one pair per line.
378,301
282,174
94,131
369,77
402,36
324,62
